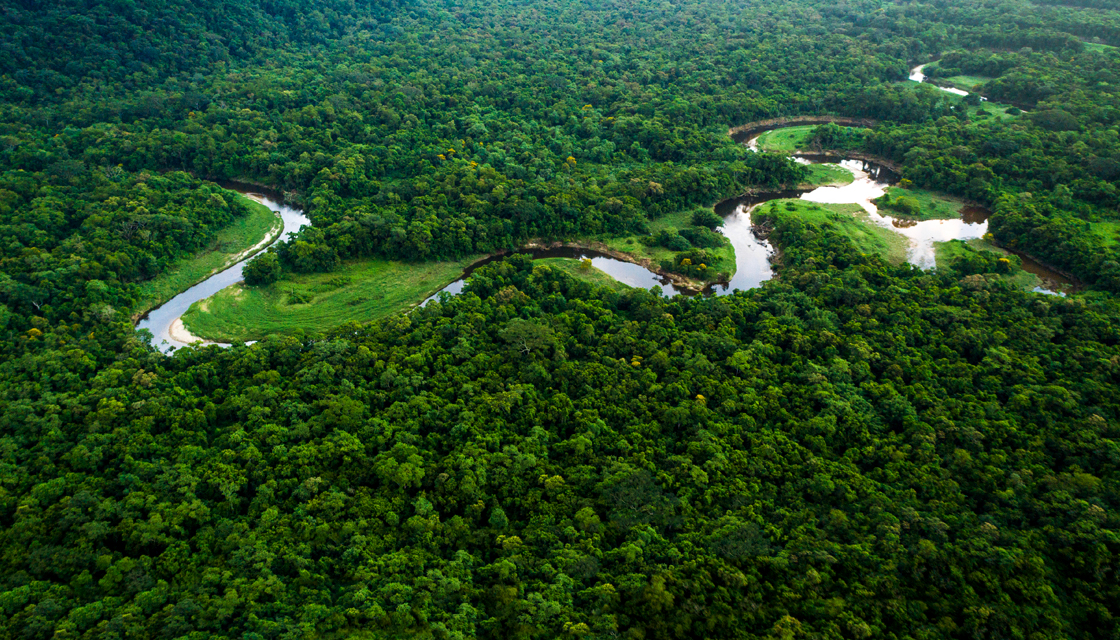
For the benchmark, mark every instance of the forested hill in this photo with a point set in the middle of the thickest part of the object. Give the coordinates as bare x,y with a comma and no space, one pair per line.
853,449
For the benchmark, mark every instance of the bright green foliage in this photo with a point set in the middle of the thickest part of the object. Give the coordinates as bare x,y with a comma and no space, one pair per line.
920,204
264,269
536,455
583,270
230,244
786,140
849,220
358,291
828,175
857,449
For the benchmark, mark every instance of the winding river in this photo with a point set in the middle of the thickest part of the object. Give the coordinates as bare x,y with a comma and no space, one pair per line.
917,76
752,254
164,321
166,325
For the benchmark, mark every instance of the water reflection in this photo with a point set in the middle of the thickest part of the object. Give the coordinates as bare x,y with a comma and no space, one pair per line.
974,214
627,273
862,190
1055,284
752,254
1049,292
871,183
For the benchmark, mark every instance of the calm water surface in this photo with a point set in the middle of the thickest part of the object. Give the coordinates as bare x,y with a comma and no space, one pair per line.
627,273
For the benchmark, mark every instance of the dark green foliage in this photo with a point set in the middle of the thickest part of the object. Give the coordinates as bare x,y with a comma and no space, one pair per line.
834,137
1055,120
1041,229
309,252
706,218
671,239
974,262
1054,168
74,240
703,238
262,270
853,450
693,263
850,428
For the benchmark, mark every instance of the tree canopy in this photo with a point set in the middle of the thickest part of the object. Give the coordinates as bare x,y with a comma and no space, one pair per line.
853,449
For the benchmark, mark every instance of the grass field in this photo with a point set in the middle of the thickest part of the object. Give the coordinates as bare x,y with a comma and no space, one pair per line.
828,175
242,234
785,140
990,110
359,291
1095,46
1108,231
946,252
965,82
931,205
724,257
576,268
850,220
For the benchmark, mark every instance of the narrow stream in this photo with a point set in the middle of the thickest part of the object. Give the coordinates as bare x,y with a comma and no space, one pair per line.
917,76
164,321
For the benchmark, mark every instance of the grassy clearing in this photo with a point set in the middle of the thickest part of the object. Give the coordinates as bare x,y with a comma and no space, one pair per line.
964,81
985,110
852,221
990,110
630,245
1108,231
584,272
676,220
930,204
723,257
786,140
947,252
360,291
242,234
1096,46
967,83
828,175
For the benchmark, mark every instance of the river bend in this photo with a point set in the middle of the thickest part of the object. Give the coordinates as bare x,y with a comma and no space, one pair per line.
164,321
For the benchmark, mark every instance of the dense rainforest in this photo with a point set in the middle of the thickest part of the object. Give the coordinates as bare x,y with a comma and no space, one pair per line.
853,449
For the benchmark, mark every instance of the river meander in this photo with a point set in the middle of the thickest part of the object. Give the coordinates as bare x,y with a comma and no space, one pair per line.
752,254
164,321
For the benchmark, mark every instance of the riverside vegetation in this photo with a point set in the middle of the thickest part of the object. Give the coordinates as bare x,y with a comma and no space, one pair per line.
857,448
